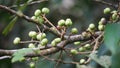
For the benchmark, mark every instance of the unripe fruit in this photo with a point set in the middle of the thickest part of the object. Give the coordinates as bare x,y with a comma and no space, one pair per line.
35,58
74,51
107,10
74,31
61,22
77,43
37,12
114,16
31,45
87,46
68,22
82,49
100,27
91,26
40,20
41,36
33,18
45,10
57,40
32,34
16,40
53,43
82,61
102,21
44,42
32,65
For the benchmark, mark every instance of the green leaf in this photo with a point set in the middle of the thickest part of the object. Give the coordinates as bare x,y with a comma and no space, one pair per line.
104,61
9,26
20,54
112,37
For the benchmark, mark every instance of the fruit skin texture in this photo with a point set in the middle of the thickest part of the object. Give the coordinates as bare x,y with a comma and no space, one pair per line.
37,12
74,31
16,40
73,51
107,10
61,22
32,34
45,10
68,22
44,42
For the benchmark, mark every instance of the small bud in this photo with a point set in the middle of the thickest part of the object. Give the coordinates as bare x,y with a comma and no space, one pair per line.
107,10
74,51
74,31
31,45
91,26
100,27
68,22
32,34
45,10
82,61
77,43
37,12
44,42
16,40
61,22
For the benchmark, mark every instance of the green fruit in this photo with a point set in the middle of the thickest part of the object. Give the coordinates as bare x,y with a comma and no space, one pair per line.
32,65
68,22
114,16
74,31
77,43
35,58
57,40
91,26
102,21
53,43
22,59
45,10
41,36
16,40
100,27
74,51
31,45
82,49
44,42
61,22
32,34
87,46
37,12
107,10
82,61
33,18
40,20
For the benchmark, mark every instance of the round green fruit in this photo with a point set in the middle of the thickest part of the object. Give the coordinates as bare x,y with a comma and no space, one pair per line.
44,42
73,51
37,12
32,34
57,40
41,36
68,22
107,10
31,45
82,61
82,49
100,27
91,26
61,22
74,31
32,65
77,43
16,40
53,43
45,10
87,46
